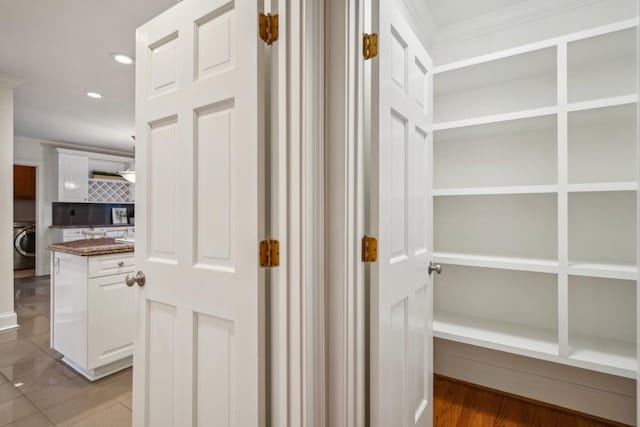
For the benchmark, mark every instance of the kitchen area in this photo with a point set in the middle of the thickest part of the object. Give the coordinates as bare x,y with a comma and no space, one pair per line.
67,110
92,252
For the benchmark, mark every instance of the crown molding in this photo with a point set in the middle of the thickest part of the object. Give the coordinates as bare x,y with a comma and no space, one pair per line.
521,13
10,81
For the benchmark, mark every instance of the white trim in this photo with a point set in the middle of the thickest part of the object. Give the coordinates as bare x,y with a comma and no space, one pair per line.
345,331
94,155
313,212
78,147
8,320
581,390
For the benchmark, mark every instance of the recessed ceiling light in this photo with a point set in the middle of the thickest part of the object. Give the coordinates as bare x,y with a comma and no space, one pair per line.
122,58
94,95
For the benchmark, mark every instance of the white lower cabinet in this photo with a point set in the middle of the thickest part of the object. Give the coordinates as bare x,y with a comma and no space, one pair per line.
93,312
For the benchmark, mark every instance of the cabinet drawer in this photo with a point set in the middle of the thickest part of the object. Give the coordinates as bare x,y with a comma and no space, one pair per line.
108,265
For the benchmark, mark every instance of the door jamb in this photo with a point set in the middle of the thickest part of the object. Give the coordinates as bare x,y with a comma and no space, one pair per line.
297,303
344,273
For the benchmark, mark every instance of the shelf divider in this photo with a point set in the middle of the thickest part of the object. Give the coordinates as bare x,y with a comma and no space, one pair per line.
563,200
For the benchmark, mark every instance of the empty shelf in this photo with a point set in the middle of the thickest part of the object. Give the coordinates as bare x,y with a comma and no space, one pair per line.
503,263
497,335
604,355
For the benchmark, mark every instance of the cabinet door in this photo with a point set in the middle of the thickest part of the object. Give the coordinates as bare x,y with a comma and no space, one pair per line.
24,182
112,320
73,178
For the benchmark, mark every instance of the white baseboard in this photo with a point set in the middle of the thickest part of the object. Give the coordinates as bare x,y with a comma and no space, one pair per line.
8,321
594,393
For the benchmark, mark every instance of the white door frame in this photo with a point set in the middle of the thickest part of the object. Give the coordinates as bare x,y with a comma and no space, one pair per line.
297,339
41,229
345,296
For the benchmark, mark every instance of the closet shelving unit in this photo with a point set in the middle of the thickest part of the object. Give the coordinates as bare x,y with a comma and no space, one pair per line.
534,197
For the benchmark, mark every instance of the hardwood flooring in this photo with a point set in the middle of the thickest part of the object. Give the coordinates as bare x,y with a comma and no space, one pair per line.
463,405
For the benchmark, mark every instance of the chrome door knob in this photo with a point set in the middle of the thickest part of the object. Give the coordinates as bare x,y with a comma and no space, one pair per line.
138,278
434,267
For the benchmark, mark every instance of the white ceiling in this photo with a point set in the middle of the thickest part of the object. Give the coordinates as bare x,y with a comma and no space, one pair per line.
61,49
451,12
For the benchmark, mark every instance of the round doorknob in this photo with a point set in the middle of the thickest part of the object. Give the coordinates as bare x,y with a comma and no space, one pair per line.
138,278
434,267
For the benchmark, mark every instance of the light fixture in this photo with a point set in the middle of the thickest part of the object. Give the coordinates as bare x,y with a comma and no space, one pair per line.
94,95
129,175
122,58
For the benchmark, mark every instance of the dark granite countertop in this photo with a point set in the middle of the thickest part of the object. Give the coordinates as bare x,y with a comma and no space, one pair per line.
93,226
92,247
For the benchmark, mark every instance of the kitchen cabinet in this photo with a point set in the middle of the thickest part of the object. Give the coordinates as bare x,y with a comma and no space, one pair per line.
75,184
73,177
92,312
24,182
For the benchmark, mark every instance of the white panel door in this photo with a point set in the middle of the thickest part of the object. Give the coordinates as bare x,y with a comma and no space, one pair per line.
401,217
198,352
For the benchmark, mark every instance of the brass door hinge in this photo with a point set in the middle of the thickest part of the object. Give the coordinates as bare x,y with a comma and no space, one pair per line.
268,27
369,249
269,253
370,45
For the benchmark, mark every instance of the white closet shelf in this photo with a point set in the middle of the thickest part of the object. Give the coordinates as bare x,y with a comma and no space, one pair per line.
592,32
537,112
479,191
604,355
603,186
605,271
497,335
603,103
593,353
502,263
497,118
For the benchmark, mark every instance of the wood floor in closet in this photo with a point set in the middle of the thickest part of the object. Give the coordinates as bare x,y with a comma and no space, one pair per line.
463,405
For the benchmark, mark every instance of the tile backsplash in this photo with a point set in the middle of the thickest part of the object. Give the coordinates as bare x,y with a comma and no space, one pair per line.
91,214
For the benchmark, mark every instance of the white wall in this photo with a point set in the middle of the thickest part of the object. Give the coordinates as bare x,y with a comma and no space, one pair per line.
8,318
418,15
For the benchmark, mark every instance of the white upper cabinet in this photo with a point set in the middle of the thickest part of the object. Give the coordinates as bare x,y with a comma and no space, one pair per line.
73,177
75,182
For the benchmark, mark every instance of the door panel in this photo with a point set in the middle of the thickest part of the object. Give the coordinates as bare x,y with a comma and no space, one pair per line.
401,216
199,349
112,314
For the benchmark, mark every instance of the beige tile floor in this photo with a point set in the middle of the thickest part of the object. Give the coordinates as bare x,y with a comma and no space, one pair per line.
37,389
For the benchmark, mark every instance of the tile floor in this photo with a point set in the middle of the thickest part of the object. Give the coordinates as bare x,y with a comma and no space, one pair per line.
36,389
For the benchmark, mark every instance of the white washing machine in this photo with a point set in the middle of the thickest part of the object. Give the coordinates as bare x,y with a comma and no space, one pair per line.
24,245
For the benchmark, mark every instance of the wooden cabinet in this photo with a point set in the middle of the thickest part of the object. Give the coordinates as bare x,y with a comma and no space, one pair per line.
24,182
93,312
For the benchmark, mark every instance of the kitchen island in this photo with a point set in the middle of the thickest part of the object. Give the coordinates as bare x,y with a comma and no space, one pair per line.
93,312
